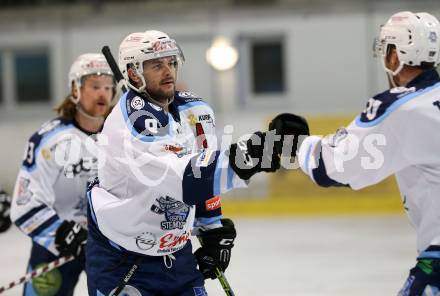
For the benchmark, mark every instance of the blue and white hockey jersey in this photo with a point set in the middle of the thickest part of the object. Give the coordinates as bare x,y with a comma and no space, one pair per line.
51,185
155,168
397,133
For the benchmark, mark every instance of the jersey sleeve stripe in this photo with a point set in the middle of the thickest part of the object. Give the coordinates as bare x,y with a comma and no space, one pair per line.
190,105
45,226
47,237
320,175
29,215
92,211
203,221
199,180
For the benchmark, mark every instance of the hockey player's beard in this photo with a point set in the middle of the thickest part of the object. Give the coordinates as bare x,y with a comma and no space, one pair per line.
160,97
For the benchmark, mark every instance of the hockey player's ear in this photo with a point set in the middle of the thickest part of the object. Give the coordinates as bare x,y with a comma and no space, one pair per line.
133,76
392,59
74,90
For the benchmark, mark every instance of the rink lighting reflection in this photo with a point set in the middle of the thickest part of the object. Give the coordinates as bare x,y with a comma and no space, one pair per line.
222,55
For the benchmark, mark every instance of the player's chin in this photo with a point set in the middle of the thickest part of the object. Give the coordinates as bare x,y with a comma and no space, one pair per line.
168,88
101,110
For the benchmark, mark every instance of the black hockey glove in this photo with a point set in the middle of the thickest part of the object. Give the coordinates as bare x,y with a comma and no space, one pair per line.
292,125
5,206
70,239
216,248
257,154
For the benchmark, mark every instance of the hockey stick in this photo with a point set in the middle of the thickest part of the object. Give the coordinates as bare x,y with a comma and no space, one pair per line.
37,272
114,67
126,278
222,278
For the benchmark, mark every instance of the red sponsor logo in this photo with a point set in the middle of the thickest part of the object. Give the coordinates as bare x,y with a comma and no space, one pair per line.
134,39
97,65
399,18
163,45
171,240
213,203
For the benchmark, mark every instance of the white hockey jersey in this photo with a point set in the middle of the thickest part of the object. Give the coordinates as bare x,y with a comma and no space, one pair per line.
397,133
60,159
154,171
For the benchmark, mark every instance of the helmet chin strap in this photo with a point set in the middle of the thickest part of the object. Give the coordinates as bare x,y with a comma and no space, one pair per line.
392,74
88,116
82,111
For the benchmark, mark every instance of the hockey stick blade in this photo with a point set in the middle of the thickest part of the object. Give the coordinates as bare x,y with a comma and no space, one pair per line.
37,272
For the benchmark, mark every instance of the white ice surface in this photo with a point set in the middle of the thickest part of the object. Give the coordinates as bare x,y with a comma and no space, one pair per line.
333,256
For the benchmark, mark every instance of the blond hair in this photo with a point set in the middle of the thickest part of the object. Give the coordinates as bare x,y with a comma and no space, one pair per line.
66,109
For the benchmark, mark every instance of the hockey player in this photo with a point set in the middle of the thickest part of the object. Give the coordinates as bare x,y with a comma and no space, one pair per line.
49,202
162,175
397,133
5,205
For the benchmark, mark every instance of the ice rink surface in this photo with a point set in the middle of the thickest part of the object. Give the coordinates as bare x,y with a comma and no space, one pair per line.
313,256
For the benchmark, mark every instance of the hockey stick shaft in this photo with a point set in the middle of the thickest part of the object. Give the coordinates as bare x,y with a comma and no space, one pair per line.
224,282
127,277
37,272
114,67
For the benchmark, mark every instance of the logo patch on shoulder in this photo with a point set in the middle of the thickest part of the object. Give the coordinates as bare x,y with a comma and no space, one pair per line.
137,103
213,203
188,95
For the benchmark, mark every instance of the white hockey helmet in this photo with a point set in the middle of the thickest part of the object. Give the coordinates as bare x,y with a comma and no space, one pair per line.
415,36
142,46
87,64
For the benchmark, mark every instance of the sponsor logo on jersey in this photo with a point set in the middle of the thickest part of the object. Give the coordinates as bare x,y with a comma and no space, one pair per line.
176,212
213,203
137,103
192,120
205,117
88,165
188,95
45,153
204,159
24,194
145,241
176,149
171,242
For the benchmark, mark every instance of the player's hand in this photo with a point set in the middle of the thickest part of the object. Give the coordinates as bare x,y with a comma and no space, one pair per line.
70,239
5,206
291,125
257,154
216,248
